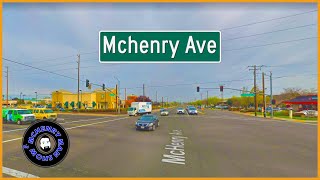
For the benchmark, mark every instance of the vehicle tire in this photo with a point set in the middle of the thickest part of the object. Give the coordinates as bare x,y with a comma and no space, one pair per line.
44,118
153,127
19,122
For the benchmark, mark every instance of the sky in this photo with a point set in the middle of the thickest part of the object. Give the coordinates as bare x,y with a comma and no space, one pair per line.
49,36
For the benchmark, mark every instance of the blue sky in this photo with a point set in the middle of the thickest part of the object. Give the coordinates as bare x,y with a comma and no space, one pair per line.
42,34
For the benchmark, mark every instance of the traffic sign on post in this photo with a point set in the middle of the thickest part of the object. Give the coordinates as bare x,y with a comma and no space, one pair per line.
247,95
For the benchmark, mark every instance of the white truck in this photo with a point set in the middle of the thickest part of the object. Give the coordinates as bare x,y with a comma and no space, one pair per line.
139,108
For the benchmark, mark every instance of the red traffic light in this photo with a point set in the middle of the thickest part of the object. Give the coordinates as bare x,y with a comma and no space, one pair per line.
221,88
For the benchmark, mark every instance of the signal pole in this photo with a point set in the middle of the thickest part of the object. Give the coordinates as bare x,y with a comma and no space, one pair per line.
78,80
157,96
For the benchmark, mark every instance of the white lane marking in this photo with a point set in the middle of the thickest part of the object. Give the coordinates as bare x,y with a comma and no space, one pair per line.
96,123
11,140
13,130
84,120
16,173
74,127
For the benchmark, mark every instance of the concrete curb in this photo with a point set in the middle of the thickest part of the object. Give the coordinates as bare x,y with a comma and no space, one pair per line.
276,118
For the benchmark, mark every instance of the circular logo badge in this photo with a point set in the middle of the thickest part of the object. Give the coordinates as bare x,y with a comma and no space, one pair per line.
45,143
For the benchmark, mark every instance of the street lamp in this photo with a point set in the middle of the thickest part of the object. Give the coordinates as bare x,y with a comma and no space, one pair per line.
36,98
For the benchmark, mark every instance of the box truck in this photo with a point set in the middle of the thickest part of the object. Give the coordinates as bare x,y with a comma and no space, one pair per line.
139,108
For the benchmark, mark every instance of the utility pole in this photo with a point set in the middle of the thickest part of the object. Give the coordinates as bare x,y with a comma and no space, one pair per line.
271,95
78,80
118,90
105,99
162,101
143,92
264,97
207,98
36,98
7,76
156,96
81,99
255,87
116,97
167,103
125,95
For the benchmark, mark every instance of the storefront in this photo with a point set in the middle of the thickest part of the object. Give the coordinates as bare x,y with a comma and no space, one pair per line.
309,102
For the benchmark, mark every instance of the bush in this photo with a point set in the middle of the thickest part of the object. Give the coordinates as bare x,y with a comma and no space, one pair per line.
234,109
281,113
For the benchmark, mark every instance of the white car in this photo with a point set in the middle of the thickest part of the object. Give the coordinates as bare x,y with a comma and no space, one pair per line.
164,112
180,111
309,112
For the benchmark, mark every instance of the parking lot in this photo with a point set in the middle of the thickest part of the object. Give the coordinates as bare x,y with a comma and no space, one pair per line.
212,144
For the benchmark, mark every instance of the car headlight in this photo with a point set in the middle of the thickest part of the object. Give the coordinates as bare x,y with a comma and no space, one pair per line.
151,124
136,123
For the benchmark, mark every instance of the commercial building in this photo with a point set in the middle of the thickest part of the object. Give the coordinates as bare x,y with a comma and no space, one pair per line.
97,99
308,102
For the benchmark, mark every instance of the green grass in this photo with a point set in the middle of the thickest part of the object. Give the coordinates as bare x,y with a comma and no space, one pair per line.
279,115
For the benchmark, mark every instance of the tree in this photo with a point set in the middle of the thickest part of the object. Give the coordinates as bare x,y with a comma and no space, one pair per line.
130,100
42,102
66,104
20,101
143,99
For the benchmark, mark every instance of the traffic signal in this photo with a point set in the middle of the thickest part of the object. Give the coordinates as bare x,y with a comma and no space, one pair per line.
198,89
273,101
103,86
87,83
221,88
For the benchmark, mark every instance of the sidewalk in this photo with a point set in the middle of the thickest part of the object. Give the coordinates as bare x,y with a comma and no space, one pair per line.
275,118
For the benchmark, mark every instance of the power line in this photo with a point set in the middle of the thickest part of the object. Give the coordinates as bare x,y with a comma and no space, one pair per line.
270,44
268,20
64,57
46,71
269,32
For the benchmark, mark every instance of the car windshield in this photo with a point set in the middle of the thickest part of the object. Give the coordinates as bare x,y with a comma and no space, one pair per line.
146,118
131,109
180,109
48,111
163,110
192,108
24,112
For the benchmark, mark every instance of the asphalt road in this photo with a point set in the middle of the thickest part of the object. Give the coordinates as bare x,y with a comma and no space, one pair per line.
212,144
